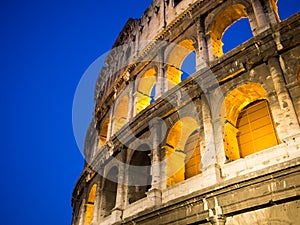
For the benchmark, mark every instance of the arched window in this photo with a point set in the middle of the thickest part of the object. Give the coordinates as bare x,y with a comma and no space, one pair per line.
110,191
249,125
285,12
222,22
182,151
188,65
236,34
120,113
184,52
139,174
103,132
256,129
146,90
90,206
192,155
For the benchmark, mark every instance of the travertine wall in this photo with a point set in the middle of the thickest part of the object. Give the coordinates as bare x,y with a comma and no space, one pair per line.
260,188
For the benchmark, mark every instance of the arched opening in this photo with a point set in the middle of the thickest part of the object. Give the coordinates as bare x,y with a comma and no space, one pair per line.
284,11
182,151
89,211
110,191
184,50
120,113
103,132
222,22
256,129
146,90
188,65
139,174
236,34
248,122
193,157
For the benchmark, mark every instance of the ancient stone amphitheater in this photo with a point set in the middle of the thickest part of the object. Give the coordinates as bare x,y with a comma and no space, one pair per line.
218,145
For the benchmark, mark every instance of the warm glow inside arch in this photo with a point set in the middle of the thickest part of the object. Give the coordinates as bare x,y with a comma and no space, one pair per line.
120,113
182,151
222,22
144,93
103,132
90,205
249,125
175,60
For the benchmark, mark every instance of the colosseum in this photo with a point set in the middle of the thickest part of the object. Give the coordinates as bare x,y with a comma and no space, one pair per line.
218,145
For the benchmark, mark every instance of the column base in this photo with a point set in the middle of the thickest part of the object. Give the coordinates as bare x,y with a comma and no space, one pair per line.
116,215
217,220
155,195
212,174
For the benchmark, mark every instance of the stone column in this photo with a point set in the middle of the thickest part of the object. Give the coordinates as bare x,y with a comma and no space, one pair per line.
210,51
216,216
259,15
101,204
252,20
155,192
272,12
210,158
131,100
82,213
118,209
161,87
111,121
286,119
97,202
212,99
202,51
217,220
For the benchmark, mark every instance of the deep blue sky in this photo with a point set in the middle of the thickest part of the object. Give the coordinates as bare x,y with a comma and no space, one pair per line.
45,48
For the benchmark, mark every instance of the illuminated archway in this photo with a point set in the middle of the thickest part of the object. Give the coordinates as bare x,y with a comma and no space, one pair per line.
175,60
233,37
144,94
120,113
139,174
246,107
90,205
222,22
103,132
193,157
182,151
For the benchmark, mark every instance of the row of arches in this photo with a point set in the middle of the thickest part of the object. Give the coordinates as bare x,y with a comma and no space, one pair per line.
206,36
248,127
139,180
182,58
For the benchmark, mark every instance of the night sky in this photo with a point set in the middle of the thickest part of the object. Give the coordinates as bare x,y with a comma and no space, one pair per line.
46,47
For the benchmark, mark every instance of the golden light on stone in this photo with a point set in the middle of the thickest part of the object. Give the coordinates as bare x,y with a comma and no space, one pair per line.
228,160
180,154
89,211
222,22
103,132
247,129
175,60
145,86
120,113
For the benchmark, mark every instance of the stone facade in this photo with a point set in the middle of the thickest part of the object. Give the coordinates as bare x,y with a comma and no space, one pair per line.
219,147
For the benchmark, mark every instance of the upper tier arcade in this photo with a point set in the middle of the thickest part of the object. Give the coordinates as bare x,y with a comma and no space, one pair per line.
193,25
